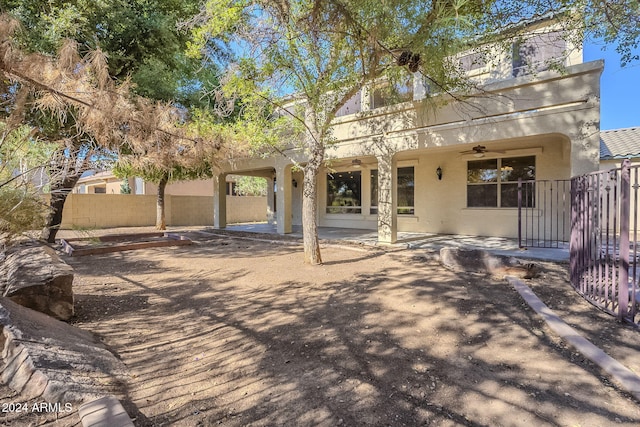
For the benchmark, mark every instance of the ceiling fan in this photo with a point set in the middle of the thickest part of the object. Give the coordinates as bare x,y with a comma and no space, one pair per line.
479,151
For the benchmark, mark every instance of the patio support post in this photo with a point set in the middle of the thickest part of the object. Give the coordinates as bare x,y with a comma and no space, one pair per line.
387,200
220,201
271,202
283,198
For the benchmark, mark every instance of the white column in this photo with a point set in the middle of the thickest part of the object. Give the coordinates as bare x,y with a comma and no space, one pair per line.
387,200
365,175
419,87
283,198
220,201
365,97
271,207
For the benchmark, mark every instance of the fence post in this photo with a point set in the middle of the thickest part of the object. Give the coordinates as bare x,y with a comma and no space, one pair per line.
520,213
625,206
574,239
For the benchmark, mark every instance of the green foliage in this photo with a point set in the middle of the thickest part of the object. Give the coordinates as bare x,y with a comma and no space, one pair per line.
125,188
140,37
151,173
21,154
20,211
21,160
323,52
251,186
617,23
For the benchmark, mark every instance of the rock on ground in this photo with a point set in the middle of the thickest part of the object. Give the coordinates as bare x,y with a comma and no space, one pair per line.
35,277
46,358
481,261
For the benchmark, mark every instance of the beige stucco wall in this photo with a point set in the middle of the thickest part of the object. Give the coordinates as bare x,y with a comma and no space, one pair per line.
440,205
197,187
245,209
125,210
108,210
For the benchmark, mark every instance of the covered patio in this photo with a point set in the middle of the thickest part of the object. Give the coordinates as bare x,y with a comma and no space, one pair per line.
419,241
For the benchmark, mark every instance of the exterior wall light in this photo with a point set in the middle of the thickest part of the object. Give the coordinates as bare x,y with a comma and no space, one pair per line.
356,163
439,173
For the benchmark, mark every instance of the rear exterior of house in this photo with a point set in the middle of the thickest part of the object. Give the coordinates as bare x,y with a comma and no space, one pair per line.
453,169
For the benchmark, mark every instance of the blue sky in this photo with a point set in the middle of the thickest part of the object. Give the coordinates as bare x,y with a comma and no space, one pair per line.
619,91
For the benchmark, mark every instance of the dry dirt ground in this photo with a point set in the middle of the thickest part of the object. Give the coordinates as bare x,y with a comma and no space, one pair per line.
238,332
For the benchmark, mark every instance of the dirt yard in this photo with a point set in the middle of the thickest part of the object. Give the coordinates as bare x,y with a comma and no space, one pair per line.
240,332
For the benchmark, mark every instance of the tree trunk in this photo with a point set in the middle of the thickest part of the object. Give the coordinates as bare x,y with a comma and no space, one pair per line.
310,239
161,223
60,189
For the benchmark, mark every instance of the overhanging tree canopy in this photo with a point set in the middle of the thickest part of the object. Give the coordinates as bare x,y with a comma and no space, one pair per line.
88,111
321,52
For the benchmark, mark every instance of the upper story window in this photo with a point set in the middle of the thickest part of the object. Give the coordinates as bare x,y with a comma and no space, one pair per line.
494,182
538,52
386,93
352,106
473,62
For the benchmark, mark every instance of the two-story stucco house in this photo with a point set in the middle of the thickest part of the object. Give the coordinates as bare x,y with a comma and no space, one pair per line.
453,169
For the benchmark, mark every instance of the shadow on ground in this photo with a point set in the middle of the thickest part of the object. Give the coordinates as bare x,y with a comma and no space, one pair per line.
242,333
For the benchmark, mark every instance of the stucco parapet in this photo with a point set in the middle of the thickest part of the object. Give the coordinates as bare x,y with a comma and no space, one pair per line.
511,84
547,102
544,77
565,120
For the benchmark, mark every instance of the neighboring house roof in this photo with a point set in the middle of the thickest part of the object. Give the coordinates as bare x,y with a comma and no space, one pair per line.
620,143
95,176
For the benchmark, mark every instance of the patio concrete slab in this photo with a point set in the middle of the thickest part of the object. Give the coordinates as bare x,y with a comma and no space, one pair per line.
423,241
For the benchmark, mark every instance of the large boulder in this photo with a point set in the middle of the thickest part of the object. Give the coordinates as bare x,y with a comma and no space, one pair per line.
51,360
481,261
34,276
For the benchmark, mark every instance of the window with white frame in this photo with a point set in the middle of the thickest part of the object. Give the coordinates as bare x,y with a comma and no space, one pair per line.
389,93
494,182
538,53
406,191
352,106
473,62
373,210
344,193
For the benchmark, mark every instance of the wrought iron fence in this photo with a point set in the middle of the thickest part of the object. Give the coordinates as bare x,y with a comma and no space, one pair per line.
544,213
603,244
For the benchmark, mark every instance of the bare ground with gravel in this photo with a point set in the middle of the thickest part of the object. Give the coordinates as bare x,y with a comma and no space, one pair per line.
240,332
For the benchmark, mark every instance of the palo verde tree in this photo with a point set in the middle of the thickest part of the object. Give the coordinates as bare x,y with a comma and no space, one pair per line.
320,53
165,158
314,55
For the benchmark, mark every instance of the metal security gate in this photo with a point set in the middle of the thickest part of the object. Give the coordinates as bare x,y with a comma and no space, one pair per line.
603,244
544,213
